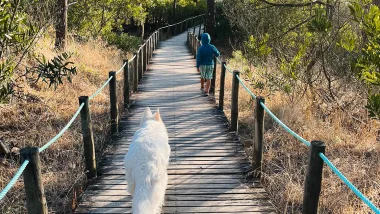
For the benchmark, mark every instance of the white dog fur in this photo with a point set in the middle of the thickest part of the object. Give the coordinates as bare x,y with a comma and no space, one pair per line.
146,164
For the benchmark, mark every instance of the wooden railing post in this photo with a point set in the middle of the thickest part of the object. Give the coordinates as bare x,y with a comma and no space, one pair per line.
222,82
160,34
141,62
313,180
259,134
113,102
195,46
144,57
199,30
135,73
151,47
235,101
187,38
88,139
168,33
147,50
126,84
34,189
212,89
155,39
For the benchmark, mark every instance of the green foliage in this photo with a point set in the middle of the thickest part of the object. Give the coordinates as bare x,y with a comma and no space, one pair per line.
257,48
6,72
124,41
53,71
320,23
373,105
367,65
15,33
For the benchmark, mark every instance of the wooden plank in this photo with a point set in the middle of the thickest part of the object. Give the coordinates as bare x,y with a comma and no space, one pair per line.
180,203
183,181
217,209
221,197
182,171
178,186
184,192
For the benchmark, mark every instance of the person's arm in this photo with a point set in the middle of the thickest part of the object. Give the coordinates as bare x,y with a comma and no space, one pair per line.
215,51
198,59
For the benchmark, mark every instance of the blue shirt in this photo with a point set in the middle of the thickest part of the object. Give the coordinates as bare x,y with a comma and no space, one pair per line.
206,52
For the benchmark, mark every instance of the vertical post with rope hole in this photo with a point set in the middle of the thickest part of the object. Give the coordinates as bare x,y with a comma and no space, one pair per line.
126,84
222,83
212,89
34,189
144,57
313,179
235,101
113,102
258,135
88,138
135,73
141,62
195,45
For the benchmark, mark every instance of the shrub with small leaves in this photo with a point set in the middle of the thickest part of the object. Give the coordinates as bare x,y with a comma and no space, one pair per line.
53,71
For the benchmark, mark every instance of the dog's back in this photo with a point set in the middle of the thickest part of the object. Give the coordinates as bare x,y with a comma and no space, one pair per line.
146,165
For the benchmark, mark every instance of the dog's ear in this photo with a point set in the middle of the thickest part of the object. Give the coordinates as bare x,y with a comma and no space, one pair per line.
157,115
146,115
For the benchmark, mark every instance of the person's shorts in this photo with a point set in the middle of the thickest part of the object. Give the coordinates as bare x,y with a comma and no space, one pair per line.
206,71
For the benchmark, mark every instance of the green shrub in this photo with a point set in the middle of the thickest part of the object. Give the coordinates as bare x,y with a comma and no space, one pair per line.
123,41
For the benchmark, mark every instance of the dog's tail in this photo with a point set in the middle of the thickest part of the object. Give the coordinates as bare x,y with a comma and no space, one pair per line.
148,197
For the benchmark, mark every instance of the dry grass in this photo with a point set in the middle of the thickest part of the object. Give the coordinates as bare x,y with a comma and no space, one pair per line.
33,122
353,146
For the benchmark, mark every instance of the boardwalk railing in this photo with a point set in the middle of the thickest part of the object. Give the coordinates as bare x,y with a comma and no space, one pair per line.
133,71
317,155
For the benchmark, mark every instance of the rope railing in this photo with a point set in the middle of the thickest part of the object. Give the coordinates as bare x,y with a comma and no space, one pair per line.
349,184
100,89
47,145
14,179
154,38
245,87
122,67
307,143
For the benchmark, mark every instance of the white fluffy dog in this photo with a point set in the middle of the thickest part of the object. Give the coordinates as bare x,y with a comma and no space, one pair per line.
146,165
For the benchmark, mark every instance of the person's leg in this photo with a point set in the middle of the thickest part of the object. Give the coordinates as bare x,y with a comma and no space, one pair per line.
202,83
208,84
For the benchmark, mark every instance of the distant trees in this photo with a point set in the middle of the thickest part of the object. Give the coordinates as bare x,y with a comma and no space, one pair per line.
315,46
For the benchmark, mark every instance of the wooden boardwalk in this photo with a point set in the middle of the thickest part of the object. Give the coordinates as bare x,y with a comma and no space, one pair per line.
207,171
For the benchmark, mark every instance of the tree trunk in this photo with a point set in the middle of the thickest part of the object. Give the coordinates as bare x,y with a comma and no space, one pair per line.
174,8
61,25
210,24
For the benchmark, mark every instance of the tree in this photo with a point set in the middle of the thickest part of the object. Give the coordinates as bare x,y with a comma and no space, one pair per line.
61,25
210,24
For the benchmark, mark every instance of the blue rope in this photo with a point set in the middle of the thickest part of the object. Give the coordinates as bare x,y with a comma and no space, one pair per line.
122,67
349,184
217,58
245,87
228,69
134,56
63,130
14,179
307,143
100,89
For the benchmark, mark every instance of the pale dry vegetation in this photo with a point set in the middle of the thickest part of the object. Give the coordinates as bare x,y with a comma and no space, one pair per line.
43,112
352,144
